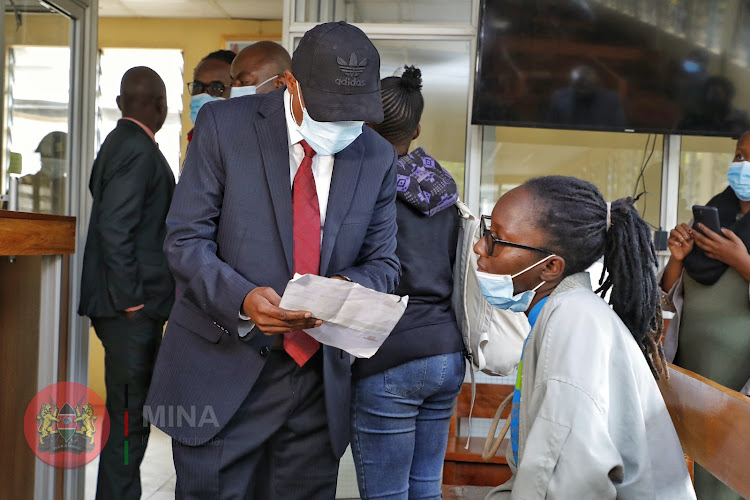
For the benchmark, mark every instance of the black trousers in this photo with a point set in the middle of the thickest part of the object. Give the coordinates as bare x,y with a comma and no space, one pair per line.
130,349
276,447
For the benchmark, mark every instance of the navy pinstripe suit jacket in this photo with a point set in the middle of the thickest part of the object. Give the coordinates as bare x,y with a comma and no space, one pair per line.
229,230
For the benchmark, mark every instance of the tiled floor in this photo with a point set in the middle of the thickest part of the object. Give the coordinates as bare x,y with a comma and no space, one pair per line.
158,476
157,471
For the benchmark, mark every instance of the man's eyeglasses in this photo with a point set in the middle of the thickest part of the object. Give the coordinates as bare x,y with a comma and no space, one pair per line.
490,241
215,89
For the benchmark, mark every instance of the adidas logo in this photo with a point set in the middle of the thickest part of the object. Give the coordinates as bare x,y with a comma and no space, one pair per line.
354,68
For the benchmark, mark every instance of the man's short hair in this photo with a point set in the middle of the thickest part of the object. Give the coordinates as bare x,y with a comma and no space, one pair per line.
226,56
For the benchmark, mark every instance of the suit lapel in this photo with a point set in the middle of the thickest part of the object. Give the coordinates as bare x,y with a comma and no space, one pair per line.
274,148
346,167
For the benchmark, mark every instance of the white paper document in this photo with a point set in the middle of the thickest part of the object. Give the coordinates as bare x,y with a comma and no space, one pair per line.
355,319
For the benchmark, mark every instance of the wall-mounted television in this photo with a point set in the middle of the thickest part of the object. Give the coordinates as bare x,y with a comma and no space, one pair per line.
660,66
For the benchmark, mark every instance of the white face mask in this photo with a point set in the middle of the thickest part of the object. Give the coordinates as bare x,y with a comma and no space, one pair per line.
498,289
328,138
248,89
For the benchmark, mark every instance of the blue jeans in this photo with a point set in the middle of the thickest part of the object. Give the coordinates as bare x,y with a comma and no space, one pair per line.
400,421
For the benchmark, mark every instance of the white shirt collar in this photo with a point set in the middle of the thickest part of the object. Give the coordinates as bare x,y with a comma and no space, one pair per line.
291,125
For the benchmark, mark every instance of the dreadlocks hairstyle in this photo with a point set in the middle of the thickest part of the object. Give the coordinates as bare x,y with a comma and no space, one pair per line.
574,215
402,105
226,56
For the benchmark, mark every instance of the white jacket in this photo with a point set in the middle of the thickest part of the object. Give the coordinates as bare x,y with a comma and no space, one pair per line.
593,424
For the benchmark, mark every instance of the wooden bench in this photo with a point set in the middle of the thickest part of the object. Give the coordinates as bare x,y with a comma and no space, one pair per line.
713,424
466,467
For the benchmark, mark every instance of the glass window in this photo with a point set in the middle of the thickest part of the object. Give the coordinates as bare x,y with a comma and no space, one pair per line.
703,171
385,11
445,67
169,64
611,161
37,102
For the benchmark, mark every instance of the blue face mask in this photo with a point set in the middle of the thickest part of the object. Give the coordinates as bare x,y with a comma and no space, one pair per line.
691,66
739,179
248,90
197,102
328,138
498,290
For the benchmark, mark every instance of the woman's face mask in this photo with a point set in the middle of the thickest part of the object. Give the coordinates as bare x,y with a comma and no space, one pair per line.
739,179
197,102
248,89
499,292
327,138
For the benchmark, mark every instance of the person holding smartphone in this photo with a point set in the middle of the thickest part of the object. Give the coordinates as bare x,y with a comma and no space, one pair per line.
705,284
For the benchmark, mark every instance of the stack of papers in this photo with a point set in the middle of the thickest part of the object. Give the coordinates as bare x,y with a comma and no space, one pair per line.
355,319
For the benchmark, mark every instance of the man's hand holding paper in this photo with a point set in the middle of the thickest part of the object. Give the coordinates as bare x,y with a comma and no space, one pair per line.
262,307
355,319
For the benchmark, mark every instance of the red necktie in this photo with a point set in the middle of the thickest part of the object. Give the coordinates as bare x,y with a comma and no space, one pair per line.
306,221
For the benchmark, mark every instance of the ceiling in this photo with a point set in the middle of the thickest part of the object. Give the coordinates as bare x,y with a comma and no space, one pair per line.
220,9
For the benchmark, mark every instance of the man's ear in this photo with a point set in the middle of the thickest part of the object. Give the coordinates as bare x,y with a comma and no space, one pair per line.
417,132
553,270
161,105
117,100
279,82
290,81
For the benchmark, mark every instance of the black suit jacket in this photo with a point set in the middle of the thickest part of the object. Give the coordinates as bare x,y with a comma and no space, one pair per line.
124,264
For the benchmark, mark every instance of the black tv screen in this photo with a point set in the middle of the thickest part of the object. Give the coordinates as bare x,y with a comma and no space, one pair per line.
663,66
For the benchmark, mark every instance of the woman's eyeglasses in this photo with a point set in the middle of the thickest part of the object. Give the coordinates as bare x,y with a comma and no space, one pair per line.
490,241
215,89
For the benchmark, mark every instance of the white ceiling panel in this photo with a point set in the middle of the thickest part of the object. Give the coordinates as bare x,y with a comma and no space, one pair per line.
253,9
114,8
174,8
221,9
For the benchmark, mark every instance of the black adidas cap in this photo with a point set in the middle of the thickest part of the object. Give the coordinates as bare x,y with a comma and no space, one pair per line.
338,68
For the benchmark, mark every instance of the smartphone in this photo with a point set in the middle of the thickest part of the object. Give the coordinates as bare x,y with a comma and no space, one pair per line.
708,216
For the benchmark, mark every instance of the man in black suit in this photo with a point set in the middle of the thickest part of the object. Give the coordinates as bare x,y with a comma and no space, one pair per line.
126,287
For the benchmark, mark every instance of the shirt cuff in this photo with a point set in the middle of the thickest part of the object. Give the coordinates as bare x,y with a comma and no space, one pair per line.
245,326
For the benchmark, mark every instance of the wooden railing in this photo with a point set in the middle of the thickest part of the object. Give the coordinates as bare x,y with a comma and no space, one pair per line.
713,424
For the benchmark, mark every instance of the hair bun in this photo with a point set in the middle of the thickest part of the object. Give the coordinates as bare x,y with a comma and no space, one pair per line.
411,78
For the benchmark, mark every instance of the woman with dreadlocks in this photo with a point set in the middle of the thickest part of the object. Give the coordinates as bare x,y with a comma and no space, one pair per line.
403,396
588,420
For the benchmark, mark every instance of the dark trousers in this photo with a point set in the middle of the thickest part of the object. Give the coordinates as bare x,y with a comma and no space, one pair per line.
276,447
130,348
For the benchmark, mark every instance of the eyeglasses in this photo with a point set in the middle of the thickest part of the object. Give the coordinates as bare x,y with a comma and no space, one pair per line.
490,241
215,89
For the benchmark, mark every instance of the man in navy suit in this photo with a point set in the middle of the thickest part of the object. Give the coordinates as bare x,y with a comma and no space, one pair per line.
273,184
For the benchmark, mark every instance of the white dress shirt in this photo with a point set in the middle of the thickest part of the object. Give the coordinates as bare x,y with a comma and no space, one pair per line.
322,168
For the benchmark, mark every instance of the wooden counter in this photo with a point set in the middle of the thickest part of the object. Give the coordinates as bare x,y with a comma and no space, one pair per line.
23,233
34,335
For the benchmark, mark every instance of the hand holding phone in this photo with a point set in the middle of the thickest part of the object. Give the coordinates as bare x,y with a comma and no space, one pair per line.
708,216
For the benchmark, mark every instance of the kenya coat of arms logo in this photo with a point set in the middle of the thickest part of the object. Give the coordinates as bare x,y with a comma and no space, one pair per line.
66,425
